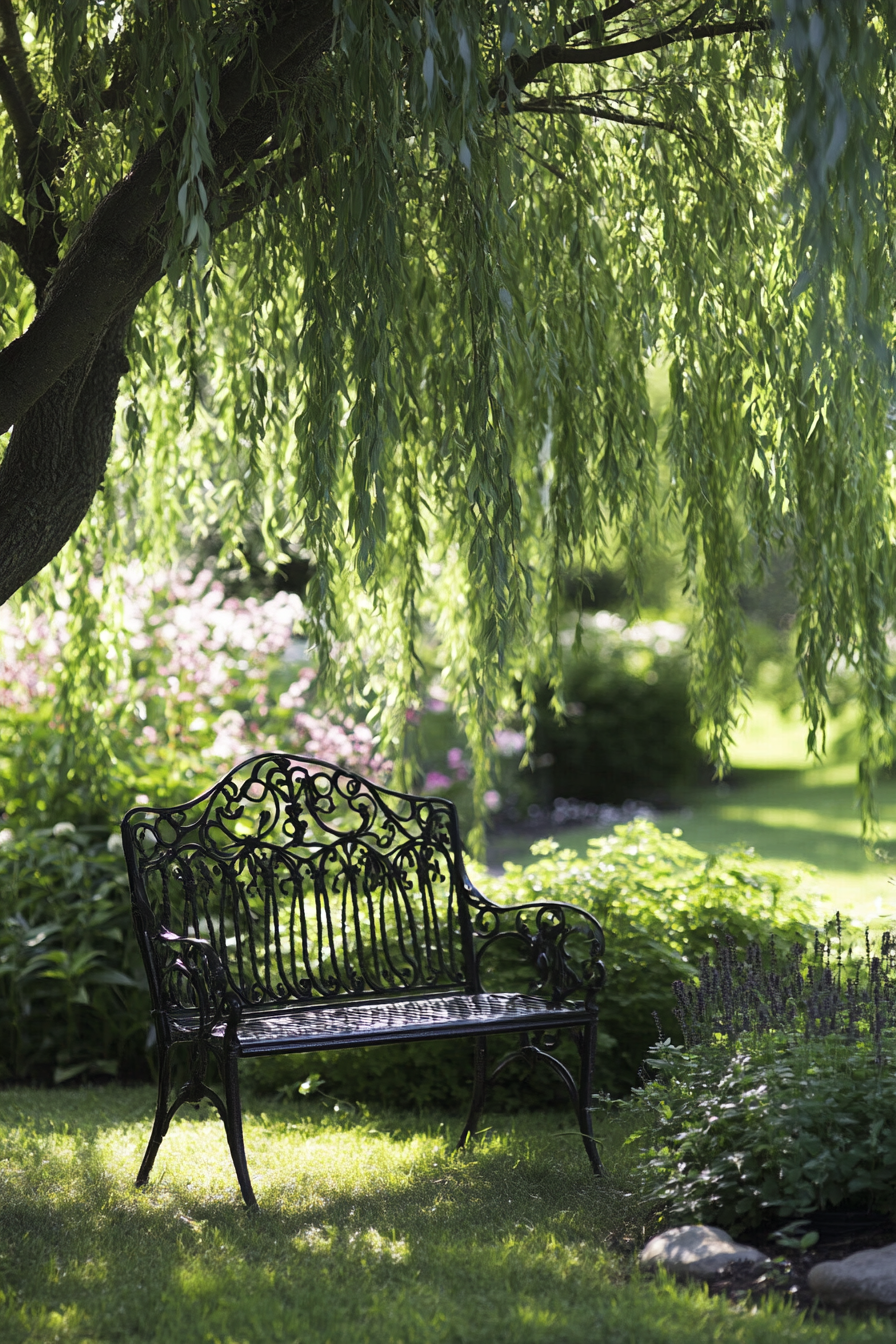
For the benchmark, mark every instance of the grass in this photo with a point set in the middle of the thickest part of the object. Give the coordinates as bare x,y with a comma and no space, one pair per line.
790,810
371,1230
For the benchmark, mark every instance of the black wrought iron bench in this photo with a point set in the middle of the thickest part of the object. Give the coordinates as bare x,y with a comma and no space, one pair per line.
296,906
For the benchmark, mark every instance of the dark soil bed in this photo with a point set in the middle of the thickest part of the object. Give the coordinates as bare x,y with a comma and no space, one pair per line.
840,1234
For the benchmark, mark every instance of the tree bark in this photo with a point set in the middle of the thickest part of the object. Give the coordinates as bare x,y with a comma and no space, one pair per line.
57,458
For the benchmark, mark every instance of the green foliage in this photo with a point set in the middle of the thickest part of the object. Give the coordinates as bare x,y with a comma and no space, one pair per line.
626,731
783,1100
778,1127
72,988
661,904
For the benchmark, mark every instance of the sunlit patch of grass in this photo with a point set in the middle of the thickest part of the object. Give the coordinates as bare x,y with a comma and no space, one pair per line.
372,1231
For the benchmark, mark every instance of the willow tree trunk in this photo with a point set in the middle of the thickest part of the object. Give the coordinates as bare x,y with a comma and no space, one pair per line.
57,457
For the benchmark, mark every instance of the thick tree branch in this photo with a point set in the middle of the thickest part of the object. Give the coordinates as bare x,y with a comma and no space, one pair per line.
121,248
92,284
236,202
38,159
13,52
35,263
35,246
528,69
56,460
14,234
296,25
23,127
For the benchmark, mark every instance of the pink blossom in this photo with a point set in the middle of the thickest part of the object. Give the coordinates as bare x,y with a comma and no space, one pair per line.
436,782
203,661
510,743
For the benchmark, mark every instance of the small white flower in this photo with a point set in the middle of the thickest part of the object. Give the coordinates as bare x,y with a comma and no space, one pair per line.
114,843
5,836
63,828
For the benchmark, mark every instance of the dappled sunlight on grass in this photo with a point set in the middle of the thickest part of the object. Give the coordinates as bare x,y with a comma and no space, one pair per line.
371,1229
789,818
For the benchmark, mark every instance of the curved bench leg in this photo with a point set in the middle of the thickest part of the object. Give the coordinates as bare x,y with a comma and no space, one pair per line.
480,1064
586,1040
161,1121
233,1123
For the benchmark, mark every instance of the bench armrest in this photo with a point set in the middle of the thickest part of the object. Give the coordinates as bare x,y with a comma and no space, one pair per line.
562,943
201,966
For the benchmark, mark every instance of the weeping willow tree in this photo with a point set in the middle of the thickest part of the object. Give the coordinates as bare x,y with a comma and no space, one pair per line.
385,279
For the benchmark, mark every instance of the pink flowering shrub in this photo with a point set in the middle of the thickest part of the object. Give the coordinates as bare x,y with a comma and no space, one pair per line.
208,680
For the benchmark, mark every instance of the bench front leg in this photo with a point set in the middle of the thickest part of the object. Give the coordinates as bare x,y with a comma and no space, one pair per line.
586,1040
160,1123
480,1068
233,1123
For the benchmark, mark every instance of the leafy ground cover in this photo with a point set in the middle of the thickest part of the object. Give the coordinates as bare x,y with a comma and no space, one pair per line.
780,1103
372,1229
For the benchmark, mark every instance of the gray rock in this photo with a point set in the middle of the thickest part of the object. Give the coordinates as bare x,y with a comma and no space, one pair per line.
695,1251
867,1276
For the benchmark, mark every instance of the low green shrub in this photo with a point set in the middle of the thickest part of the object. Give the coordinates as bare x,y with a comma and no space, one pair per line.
72,988
779,1128
627,731
783,1099
661,903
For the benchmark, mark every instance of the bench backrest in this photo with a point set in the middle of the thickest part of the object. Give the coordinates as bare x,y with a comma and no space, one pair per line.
309,882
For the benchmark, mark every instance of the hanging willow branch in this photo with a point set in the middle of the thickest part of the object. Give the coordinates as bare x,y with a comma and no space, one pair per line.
385,279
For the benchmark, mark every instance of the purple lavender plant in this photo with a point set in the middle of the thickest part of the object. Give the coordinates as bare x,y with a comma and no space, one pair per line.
820,992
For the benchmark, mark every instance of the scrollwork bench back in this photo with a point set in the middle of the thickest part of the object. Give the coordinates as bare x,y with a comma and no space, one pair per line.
296,906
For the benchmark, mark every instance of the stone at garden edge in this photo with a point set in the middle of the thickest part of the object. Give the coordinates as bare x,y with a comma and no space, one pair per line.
867,1276
695,1251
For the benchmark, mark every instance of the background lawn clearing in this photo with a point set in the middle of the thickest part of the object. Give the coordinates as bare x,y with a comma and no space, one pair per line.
788,808
371,1229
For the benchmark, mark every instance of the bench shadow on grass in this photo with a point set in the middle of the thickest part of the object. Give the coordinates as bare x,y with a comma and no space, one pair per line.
178,1264
510,1244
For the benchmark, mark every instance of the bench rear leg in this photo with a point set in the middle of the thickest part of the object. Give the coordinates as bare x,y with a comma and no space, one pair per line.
480,1065
586,1040
233,1123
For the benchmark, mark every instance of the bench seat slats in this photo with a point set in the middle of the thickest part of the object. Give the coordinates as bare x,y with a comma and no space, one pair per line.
297,1028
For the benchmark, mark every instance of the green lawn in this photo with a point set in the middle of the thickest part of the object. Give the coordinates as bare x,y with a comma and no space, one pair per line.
371,1229
789,809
